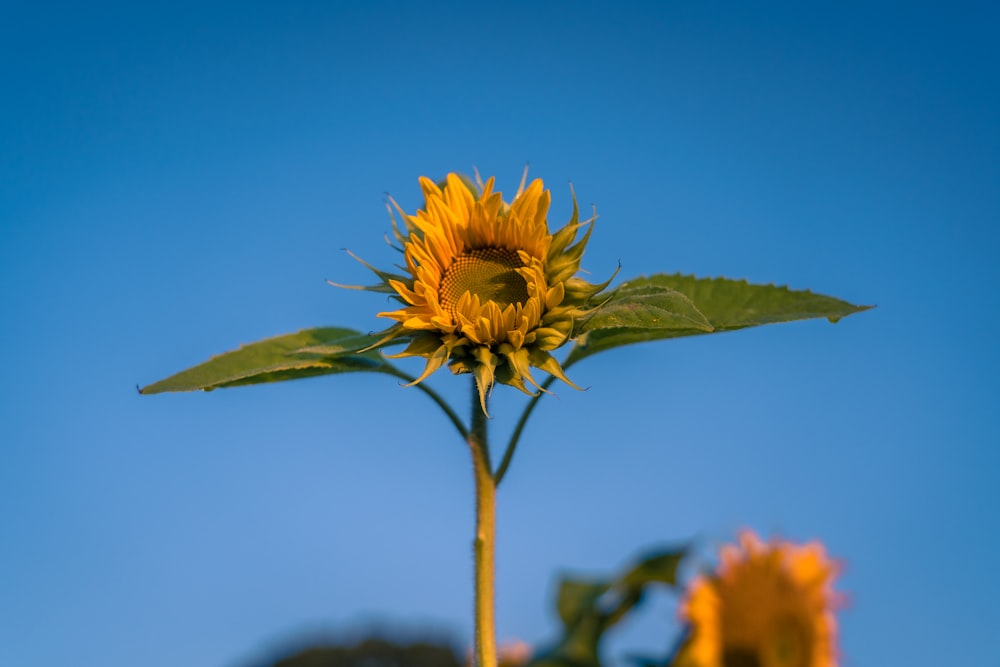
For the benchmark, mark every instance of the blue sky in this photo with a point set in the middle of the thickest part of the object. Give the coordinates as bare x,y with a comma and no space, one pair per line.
177,179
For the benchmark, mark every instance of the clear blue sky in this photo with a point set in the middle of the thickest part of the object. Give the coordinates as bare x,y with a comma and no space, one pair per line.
178,178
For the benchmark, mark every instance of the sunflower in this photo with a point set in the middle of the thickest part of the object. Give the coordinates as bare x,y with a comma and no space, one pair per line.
487,289
768,605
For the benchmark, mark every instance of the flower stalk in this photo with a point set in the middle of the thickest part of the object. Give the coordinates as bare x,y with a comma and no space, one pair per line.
484,545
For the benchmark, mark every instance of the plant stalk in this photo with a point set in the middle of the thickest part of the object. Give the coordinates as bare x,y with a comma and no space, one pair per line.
484,546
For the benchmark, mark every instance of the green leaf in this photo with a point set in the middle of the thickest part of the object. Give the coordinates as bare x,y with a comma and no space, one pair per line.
734,304
657,567
647,307
576,597
579,646
588,607
308,353
577,602
725,304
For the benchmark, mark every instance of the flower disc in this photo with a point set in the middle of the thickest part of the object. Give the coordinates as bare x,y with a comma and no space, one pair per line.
488,273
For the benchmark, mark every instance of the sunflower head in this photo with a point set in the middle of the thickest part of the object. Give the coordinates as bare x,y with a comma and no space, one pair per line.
767,605
487,289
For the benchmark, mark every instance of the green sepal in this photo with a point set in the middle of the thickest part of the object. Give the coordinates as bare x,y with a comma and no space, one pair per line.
562,238
565,265
580,291
508,373
419,345
437,358
408,226
308,353
483,371
543,360
384,276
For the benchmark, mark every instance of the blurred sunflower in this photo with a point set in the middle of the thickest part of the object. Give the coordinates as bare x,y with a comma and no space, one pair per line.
488,289
768,605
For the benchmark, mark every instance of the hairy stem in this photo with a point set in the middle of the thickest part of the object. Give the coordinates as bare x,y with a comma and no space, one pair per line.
484,546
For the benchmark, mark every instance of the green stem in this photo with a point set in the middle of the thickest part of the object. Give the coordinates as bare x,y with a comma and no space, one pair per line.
516,436
436,397
484,546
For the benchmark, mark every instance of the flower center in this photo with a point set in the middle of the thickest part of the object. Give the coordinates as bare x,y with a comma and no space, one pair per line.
787,643
735,656
783,643
489,273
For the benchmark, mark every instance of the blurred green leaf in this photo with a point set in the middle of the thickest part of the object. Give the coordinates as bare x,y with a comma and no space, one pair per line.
588,607
308,353
634,311
577,602
578,647
658,567
577,597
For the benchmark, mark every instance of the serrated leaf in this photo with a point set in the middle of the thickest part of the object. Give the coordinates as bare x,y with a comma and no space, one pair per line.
646,307
726,304
734,304
308,353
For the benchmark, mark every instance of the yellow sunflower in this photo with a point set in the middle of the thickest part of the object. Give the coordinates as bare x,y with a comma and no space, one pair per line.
488,289
768,605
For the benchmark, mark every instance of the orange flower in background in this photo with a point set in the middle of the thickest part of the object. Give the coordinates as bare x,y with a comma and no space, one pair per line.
767,605
514,653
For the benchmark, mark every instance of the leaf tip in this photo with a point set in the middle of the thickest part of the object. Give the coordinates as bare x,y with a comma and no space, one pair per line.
833,319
